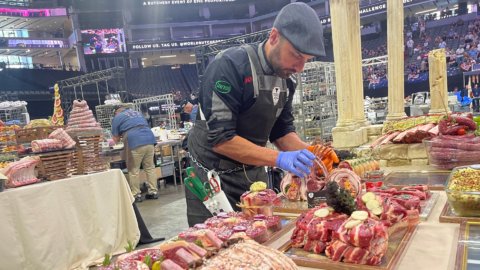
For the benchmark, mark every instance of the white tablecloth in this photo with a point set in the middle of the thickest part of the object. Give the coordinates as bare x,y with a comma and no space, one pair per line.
67,223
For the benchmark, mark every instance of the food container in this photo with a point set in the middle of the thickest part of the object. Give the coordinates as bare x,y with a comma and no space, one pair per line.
463,191
450,158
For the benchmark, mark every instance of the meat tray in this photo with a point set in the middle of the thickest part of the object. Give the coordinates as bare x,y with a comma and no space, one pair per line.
397,244
435,180
468,248
449,216
289,208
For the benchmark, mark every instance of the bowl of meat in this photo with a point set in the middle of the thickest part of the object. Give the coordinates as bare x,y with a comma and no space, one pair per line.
463,190
448,152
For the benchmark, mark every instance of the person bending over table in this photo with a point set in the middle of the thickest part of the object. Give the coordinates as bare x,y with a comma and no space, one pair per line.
139,148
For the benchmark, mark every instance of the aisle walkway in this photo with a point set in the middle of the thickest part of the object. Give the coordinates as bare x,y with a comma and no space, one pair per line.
167,216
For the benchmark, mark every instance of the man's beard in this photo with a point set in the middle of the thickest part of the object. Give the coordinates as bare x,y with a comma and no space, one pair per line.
275,62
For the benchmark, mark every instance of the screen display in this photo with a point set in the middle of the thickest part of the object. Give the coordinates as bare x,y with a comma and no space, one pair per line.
103,41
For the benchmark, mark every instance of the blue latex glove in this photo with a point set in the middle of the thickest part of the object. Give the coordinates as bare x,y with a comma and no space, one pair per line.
296,162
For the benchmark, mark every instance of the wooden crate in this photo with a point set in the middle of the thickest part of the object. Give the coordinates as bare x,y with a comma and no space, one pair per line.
55,165
87,158
27,135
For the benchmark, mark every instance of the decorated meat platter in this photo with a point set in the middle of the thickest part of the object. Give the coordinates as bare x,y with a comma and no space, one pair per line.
295,208
435,180
397,243
468,248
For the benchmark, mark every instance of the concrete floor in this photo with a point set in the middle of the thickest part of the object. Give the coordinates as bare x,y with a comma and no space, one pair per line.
167,216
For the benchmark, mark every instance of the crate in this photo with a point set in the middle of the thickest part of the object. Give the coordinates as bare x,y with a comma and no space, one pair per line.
27,135
55,165
87,158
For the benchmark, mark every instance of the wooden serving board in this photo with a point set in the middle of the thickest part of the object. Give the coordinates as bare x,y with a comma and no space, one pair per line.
397,244
448,216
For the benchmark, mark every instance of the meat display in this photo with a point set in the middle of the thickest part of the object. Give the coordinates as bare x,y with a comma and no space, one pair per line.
295,188
449,151
240,253
81,119
61,135
219,229
258,200
360,166
346,179
356,239
45,145
359,240
248,254
20,173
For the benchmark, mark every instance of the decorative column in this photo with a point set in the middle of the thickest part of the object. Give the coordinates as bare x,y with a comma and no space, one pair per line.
396,69
438,81
348,72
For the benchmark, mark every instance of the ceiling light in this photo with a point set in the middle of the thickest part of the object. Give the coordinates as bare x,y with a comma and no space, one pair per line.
144,58
28,50
192,55
168,56
8,50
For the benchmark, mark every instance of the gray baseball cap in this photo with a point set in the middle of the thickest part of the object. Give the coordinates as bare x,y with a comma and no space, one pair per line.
300,25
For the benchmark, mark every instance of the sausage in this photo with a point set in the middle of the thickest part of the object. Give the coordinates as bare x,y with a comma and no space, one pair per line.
465,121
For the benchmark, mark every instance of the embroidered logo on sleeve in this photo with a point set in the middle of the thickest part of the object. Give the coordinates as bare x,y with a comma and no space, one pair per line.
223,87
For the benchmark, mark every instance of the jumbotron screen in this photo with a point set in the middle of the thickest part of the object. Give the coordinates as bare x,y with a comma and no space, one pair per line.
103,41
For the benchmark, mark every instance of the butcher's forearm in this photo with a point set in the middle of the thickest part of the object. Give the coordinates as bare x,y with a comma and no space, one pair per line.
290,142
245,152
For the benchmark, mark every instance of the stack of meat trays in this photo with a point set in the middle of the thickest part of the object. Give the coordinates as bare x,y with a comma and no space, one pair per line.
55,165
87,158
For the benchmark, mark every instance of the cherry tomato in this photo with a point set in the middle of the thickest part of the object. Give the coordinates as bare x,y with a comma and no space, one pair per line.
461,131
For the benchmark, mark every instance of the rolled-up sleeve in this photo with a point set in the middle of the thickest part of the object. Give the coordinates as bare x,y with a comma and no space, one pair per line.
285,122
221,99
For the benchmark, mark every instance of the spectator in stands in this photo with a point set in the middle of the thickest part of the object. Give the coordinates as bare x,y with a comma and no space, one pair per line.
460,51
139,148
442,44
246,99
476,98
410,44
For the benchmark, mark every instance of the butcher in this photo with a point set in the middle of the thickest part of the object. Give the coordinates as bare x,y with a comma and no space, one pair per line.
245,101
139,144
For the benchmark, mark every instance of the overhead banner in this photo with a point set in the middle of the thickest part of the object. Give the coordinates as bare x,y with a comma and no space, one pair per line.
148,46
183,2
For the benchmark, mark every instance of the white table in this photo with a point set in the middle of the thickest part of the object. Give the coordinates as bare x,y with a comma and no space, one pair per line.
67,223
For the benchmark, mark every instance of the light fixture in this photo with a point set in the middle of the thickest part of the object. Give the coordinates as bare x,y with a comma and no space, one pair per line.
28,50
192,55
8,50
144,58
426,11
168,56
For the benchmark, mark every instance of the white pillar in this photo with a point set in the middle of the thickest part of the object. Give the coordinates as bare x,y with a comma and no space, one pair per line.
438,81
396,66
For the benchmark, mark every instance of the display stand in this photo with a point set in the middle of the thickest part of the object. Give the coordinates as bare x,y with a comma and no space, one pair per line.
315,104
162,101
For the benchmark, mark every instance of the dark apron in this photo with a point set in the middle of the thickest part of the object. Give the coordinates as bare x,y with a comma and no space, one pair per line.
255,125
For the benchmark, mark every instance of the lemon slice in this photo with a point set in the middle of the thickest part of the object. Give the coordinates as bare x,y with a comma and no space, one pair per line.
377,211
368,197
321,213
360,215
352,223
373,204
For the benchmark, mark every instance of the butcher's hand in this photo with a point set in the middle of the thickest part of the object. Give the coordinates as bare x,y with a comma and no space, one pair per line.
296,162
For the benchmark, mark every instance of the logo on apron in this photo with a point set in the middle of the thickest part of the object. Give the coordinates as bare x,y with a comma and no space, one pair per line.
275,95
